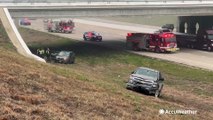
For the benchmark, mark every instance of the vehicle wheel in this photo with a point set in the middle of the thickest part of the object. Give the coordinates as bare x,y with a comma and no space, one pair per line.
128,87
92,39
157,50
209,48
52,61
85,39
72,61
188,46
129,46
192,46
135,49
158,92
45,58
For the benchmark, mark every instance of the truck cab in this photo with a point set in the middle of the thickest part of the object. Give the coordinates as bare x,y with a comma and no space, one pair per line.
205,39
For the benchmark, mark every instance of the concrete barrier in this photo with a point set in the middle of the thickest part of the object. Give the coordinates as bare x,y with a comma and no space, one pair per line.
15,36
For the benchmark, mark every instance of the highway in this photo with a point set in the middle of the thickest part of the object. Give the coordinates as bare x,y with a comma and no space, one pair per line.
114,34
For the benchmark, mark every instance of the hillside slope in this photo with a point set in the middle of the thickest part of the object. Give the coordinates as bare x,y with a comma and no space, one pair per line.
34,90
94,87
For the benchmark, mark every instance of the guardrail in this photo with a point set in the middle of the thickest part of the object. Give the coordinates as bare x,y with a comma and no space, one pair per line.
75,1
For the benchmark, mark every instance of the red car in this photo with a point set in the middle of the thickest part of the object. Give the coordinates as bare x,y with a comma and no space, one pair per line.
92,36
25,21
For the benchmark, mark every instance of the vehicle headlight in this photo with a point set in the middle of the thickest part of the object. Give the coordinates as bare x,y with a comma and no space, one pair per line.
65,58
131,77
130,81
154,85
212,44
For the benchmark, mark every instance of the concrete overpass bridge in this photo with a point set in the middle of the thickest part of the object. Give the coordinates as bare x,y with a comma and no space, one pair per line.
193,14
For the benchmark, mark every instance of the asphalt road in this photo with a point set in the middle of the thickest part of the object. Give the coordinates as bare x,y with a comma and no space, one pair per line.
114,34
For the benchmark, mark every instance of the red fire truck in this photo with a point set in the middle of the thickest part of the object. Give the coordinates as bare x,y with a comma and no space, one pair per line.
158,41
64,26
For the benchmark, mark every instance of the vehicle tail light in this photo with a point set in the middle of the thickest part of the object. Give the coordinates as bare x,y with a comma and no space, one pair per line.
129,34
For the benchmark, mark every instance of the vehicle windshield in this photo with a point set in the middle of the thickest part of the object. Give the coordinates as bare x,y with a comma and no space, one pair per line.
66,24
210,37
95,33
147,72
166,30
63,53
170,26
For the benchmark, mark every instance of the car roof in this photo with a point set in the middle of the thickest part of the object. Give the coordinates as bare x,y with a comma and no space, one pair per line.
168,25
91,32
148,69
66,51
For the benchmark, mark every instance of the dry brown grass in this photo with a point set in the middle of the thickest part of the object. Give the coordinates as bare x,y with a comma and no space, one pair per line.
37,91
31,90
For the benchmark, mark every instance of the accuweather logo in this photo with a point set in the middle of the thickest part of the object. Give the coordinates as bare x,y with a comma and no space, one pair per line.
161,111
182,112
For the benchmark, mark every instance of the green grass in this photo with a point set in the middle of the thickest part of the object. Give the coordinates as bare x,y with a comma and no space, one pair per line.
97,82
4,39
177,76
95,56
3,33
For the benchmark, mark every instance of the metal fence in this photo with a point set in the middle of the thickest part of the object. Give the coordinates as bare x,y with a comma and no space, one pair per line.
71,1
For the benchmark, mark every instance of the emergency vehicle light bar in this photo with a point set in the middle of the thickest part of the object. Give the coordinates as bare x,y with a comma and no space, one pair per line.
129,34
168,35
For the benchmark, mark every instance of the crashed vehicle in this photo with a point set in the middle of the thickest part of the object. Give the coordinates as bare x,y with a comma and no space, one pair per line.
92,36
25,21
146,79
65,57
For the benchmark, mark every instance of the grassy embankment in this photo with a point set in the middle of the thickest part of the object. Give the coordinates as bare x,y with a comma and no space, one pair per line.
94,87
